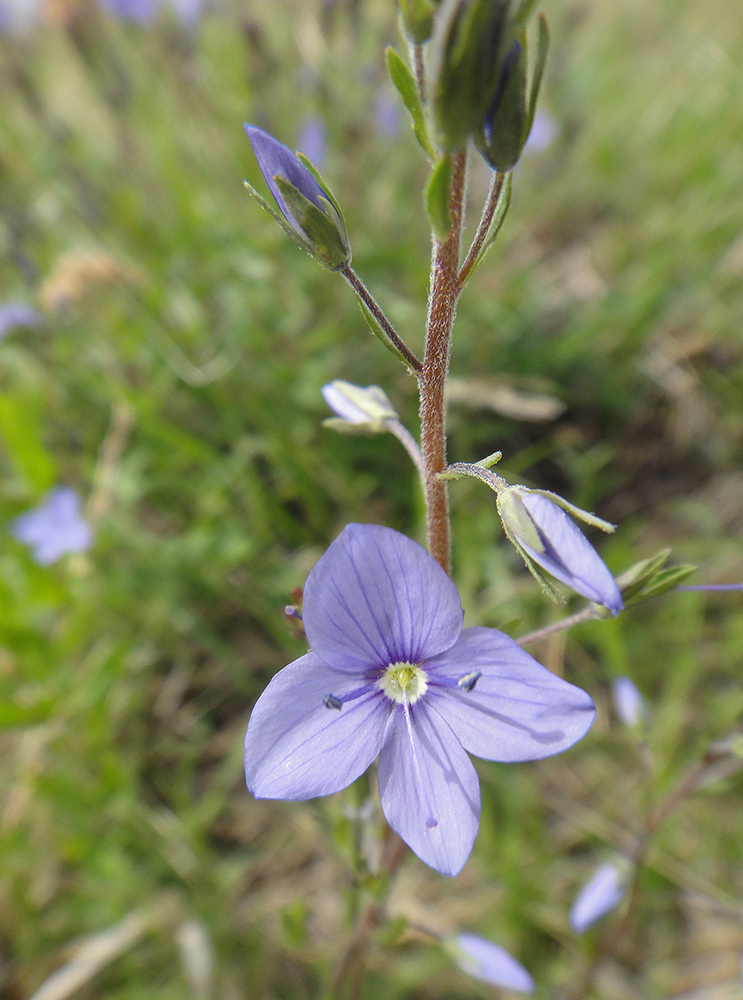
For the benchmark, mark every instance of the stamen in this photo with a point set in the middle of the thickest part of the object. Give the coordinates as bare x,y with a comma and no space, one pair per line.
431,822
468,681
338,701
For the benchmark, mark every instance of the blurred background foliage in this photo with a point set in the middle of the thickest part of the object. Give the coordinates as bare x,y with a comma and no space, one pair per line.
174,381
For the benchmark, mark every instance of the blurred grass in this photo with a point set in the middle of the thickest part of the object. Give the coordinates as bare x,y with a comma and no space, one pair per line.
178,317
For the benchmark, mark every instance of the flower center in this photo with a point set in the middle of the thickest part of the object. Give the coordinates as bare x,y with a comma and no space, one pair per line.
404,682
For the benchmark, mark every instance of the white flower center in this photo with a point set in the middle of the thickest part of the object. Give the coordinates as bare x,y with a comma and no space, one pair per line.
403,682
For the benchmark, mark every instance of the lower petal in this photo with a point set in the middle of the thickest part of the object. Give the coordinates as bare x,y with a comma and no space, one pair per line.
297,747
442,788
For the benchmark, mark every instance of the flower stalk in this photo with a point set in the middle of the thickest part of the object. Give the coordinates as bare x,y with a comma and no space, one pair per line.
444,293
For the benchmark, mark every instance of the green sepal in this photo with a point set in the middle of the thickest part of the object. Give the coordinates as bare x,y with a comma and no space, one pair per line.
417,19
378,332
490,460
321,181
324,231
499,217
468,68
436,199
407,88
543,41
507,122
277,217
522,15
647,578
582,515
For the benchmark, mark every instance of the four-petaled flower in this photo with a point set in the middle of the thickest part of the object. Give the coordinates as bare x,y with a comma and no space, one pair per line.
54,527
393,674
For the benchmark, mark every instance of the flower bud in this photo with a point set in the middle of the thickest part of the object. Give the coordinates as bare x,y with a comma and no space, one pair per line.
358,409
468,53
311,216
417,19
508,119
488,962
549,540
502,137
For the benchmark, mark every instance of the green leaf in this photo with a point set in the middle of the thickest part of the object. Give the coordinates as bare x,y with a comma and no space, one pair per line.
379,332
543,41
407,88
436,198
499,217
662,582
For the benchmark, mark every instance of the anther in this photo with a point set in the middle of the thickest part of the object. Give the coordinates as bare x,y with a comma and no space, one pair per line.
468,681
331,701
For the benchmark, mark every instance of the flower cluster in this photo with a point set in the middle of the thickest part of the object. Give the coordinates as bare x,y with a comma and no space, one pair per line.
392,673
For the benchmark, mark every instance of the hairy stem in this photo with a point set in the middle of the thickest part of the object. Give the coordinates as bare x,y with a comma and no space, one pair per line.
420,71
444,294
377,312
496,186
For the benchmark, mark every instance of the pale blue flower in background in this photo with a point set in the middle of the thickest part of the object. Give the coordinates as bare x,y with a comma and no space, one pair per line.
488,962
140,11
388,116
55,527
601,894
16,16
543,133
14,314
312,140
391,673
628,702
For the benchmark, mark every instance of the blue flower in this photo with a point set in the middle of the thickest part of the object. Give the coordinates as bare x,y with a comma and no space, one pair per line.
139,11
488,962
14,314
628,702
312,140
601,894
312,216
391,673
54,527
545,535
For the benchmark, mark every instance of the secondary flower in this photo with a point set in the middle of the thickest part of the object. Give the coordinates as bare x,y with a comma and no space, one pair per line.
54,527
628,702
358,407
544,534
601,894
14,314
312,215
391,673
488,962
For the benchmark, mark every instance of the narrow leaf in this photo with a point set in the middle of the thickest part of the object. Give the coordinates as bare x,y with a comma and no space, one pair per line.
499,217
378,332
407,88
436,198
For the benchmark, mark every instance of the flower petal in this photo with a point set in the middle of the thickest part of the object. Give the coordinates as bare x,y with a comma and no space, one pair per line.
450,793
516,710
487,961
568,555
376,598
296,747
276,159
601,894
